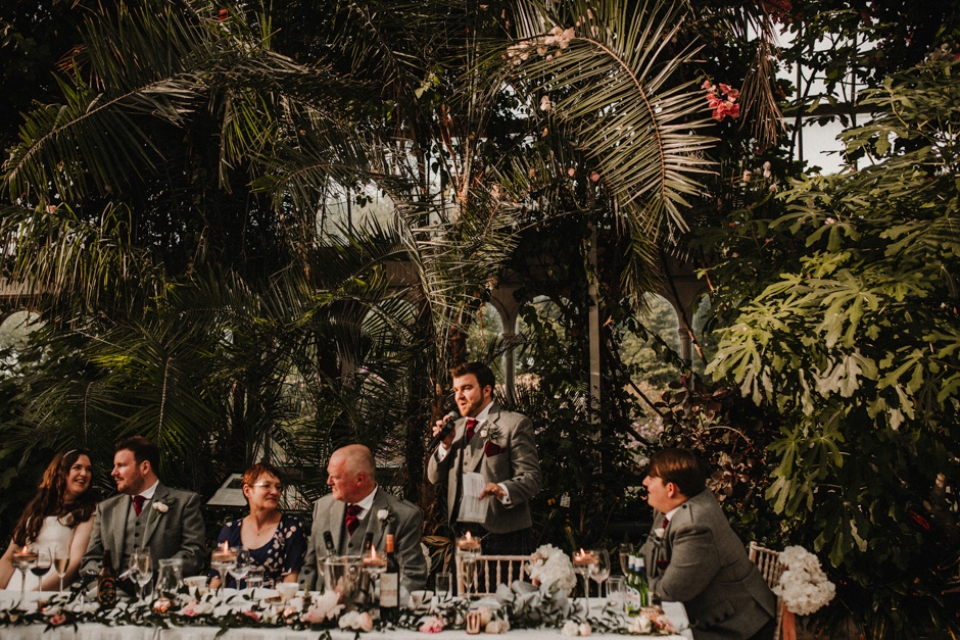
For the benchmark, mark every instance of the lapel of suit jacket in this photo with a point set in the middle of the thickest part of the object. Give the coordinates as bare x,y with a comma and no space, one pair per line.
338,511
375,525
153,516
115,524
473,456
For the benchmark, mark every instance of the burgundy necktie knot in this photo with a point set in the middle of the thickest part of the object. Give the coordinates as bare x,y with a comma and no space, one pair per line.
353,517
138,503
666,521
471,427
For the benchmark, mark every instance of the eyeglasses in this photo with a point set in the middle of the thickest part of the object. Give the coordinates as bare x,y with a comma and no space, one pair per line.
269,485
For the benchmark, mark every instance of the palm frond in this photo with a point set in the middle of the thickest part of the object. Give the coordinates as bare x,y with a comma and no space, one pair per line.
606,68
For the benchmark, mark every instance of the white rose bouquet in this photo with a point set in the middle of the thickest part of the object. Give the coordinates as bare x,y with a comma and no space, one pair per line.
552,568
803,585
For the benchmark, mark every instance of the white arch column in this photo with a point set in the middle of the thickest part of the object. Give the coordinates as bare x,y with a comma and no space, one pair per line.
504,300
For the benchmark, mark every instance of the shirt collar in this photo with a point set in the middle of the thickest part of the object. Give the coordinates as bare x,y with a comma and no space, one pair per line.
149,491
484,413
366,504
669,514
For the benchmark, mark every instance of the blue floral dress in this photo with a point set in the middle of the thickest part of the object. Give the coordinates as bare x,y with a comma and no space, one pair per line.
279,556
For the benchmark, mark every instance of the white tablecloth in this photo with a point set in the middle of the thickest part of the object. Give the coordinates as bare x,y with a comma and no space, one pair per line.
674,611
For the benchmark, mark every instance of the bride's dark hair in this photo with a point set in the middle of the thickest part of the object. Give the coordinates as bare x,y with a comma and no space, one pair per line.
49,500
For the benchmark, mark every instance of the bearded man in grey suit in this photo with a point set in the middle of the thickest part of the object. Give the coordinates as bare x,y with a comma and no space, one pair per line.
694,557
500,446
355,507
146,515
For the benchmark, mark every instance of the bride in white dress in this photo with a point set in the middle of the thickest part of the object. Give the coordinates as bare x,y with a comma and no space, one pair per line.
59,519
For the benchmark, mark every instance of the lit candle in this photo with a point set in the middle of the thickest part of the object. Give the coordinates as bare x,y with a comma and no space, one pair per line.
25,553
468,543
223,553
374,560
584,558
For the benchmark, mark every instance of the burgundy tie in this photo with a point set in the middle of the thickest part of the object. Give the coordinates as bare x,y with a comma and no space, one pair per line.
666,521
138,503
471,427
352,520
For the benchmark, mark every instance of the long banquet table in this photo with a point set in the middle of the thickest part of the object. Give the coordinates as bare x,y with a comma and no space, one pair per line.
90,631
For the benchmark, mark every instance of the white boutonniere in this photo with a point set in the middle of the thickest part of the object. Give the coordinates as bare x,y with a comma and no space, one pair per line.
386,517
489,433
160,507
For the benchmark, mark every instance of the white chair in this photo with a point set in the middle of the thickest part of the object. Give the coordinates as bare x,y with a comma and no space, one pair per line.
490,572
768,562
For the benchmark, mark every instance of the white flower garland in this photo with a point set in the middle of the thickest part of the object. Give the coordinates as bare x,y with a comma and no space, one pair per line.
803,585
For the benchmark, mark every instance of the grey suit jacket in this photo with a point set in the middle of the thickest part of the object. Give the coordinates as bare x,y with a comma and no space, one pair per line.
701,562
178,533
510,459
405,522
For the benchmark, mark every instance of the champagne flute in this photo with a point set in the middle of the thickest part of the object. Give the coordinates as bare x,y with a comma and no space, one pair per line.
141,568
61,560
626,550
601,570
43,564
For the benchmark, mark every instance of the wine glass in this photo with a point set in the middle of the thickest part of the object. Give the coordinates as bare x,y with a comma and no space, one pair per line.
601,570
43,564
141,569
241,567
23,560
61,560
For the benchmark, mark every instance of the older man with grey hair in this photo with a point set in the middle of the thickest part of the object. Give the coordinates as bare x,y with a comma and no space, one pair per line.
356,506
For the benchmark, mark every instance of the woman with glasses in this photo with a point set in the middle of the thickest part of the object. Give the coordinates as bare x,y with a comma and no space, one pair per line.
274,541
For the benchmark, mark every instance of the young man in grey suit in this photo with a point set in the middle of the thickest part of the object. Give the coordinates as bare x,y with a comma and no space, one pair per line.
694,557
500,446
356,506
146,514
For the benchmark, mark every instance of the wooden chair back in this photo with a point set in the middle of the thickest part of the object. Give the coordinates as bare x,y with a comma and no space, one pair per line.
768,562
491,571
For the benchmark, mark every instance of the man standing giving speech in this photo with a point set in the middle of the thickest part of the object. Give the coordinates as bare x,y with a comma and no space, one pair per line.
694,557
146,514
494,451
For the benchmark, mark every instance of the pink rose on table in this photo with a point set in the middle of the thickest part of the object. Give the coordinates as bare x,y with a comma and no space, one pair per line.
325,607
433,624
253,615
57,619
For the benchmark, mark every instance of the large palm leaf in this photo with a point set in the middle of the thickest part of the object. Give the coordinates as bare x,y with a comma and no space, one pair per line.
610,71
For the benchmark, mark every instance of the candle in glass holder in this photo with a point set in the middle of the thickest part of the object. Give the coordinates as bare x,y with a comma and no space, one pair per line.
24,559
585,558
468,543
223,553
374,560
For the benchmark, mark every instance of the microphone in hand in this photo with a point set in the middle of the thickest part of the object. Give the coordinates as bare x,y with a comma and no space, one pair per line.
445,429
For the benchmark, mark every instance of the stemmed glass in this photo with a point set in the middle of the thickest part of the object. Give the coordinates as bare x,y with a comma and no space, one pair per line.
44,562
23,560
600,571
61,561
584,563
241,567
468,548
141,569
626,550
223,560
